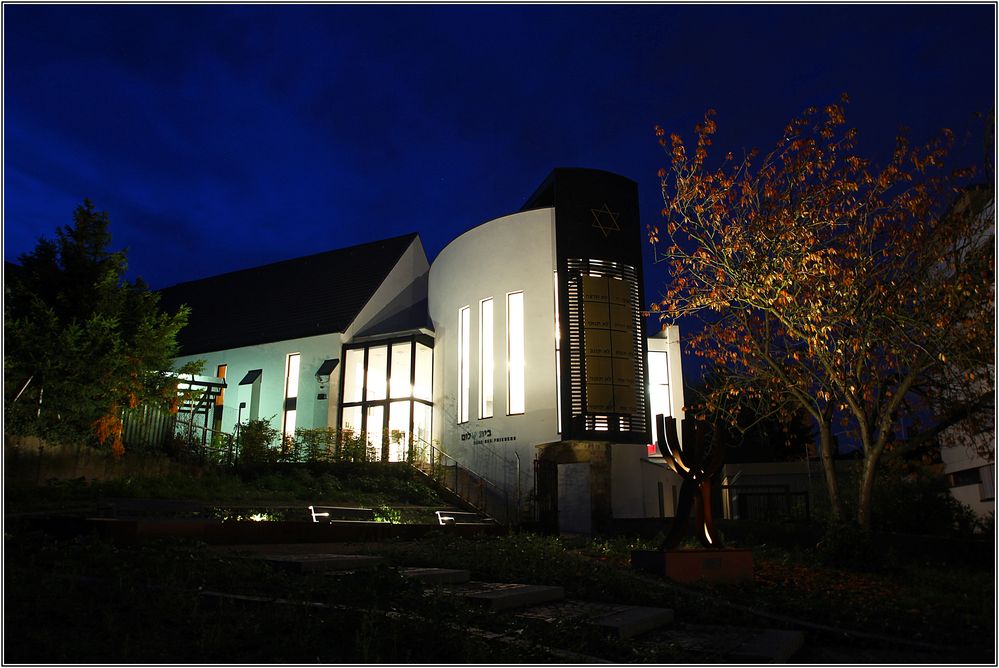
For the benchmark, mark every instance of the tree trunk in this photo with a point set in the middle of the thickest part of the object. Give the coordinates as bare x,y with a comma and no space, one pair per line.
829,467
866,492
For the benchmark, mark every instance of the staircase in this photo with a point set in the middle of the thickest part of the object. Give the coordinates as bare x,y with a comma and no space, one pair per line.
466,487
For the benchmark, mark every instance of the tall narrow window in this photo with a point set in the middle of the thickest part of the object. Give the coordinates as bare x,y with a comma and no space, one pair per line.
558,363
486,358
464,323
515,352
220,371
291,395
659,399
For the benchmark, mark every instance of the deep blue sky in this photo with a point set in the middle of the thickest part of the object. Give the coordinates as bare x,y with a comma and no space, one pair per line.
221,137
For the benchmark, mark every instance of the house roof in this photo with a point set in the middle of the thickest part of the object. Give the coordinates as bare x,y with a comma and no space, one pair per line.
305,296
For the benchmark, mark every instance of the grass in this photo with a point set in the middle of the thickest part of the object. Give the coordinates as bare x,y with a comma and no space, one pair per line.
370,485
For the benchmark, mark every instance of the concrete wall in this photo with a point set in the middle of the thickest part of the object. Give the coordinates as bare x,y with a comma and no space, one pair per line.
509,254
30,461
271,358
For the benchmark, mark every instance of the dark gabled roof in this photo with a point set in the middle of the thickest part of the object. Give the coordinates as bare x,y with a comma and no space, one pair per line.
306,296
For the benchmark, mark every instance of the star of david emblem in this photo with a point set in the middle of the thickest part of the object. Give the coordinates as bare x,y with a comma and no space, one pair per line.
605,220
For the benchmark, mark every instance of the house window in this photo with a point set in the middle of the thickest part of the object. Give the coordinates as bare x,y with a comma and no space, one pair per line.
353,377
965,477
291,395
515,352
558,364
486,358
659,384
464,318
376,383
387,391
220,372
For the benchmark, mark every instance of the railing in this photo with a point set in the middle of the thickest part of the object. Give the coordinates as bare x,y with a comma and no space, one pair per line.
471,487
209,446
766,502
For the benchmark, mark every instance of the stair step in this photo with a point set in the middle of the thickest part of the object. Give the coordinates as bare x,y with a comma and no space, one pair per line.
498,596
622,621
315,563
731,644
437,576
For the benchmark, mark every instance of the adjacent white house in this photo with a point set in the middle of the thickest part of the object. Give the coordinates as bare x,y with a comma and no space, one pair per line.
520,351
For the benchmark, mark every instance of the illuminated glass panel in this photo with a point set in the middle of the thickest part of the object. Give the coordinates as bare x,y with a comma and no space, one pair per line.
421,427
375,431
400,383
291,395
486,358
353,376
659,385
351,420
423,387
398,430
291,386
464,323
558,364
515,352
377,370
220,372
289,423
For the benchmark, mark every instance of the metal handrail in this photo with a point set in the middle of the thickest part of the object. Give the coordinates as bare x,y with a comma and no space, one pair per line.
441,462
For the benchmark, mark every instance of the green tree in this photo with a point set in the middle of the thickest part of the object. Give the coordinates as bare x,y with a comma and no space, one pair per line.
83,343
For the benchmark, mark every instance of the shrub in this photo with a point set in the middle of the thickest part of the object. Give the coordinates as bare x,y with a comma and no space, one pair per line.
255,440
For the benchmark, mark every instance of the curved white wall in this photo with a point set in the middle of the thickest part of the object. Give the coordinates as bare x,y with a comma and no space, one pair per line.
510,254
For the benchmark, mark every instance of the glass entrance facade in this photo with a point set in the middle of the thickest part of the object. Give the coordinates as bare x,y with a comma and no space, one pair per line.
387,395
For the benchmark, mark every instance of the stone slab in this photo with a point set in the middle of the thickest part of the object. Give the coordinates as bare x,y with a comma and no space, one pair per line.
622,621
777,644
735,644
315,563
634,620
437,576
724,565
505,596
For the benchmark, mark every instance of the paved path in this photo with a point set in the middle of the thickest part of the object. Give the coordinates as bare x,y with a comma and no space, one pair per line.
647,627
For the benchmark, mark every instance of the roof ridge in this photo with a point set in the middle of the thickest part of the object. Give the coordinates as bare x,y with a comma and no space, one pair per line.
409,235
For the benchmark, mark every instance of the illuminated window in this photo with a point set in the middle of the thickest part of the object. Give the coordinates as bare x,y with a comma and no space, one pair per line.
387,392
398,425
659,400
377,368
486,358
515,352
220,372
353,376
558,364
291,395
424,382
464,317
374,431
401,373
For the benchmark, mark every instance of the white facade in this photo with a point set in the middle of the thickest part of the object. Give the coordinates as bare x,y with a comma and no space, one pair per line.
971,477
267,400
506,256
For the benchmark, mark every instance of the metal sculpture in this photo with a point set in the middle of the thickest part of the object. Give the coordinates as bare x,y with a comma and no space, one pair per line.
697,461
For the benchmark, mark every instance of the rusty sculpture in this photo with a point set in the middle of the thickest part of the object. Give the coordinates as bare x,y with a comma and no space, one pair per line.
696,462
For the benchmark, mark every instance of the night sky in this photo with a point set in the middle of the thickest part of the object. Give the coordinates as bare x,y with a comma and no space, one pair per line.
223,137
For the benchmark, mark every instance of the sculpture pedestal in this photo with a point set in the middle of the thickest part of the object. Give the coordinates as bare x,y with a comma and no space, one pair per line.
724,565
